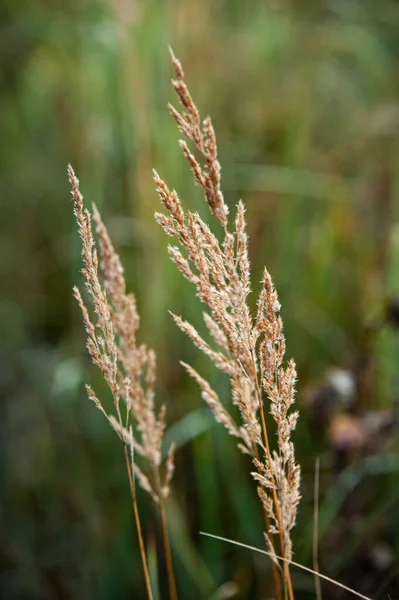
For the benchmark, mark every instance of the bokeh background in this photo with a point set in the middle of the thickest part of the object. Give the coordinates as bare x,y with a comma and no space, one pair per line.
304,98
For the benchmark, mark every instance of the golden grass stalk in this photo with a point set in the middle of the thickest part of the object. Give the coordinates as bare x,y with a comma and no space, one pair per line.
128,369
250,350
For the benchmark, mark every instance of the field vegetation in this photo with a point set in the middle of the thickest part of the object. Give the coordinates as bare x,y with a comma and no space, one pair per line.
304,99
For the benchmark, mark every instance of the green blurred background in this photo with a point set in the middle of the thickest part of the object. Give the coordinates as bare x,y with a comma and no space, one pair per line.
304,98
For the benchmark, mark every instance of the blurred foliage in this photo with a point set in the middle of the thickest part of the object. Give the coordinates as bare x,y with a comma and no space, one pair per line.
304,98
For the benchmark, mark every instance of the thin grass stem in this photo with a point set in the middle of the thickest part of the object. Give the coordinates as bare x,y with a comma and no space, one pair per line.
138,524
287,560
287,574
275,567
165,538
316,528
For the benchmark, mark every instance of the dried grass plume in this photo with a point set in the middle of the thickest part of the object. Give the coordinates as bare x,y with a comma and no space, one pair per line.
250,350
129,369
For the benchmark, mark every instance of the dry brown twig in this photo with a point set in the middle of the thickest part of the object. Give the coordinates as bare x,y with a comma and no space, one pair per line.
128,369
249,350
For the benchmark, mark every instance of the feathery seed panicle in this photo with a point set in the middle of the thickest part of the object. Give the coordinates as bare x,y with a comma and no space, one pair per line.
203,136
250,350
128,368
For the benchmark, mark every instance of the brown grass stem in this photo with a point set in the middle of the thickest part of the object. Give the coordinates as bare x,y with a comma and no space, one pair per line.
138,524
287,574
276,570
165,537
316,528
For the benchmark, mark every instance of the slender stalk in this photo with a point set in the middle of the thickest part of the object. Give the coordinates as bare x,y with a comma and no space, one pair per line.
287,574
292,562
276,571
168,553
165,538
316,528
138,524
